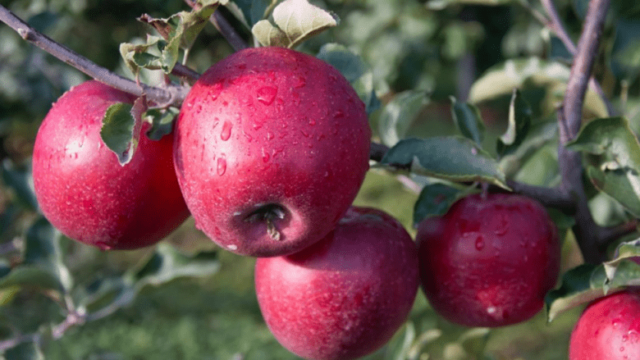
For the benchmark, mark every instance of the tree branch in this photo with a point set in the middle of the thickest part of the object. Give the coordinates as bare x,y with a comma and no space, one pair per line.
569,122
185,72
608,235
171,95
225,28
555,24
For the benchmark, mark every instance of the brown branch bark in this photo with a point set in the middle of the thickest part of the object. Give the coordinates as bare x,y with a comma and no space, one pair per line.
570,120
172,94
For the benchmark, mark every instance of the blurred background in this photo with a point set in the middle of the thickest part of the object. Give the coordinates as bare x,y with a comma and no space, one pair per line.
439,47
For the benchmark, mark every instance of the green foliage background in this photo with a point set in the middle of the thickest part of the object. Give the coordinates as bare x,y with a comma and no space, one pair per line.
408,47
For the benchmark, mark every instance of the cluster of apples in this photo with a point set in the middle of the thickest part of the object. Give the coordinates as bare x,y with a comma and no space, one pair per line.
268,153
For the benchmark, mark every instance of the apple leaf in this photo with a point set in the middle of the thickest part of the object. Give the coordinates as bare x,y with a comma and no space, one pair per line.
441,4
292,22
540,136
589,282
177,32
618,164
24,351
121,127
519,122
355,70
398,115
20,180
435,200
254,10
625,54
468,120
42,265
161,122
448,158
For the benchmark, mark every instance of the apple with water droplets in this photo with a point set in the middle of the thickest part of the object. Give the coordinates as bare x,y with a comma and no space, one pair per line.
345,296
271,148
490,260
84,191
608,329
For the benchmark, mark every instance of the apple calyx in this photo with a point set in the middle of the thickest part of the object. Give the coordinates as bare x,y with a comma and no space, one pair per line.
268,213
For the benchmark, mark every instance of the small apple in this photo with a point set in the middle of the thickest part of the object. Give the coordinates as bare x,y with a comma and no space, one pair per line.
344,296
83,190
490,260
272,146
609,329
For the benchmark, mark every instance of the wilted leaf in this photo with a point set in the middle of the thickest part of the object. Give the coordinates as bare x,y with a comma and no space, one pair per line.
398,115
617,170
519,122
449,158
355,70
468,120
121,127
19,178
136,56
293,22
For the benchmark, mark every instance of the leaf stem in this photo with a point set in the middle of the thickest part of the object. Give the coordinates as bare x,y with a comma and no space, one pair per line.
225,28
172,94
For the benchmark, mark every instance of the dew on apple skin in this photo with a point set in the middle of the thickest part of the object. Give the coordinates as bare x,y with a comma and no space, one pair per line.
269,135
226,131
216,89
222,166
312,122
480,243
300,82
267,94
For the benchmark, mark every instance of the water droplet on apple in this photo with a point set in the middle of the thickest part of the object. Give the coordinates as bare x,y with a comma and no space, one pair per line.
265,156
300,82
304,133
226,131
503,225
222,166
479,243
215,91
312,122
241,66
269,135
267,94
338,115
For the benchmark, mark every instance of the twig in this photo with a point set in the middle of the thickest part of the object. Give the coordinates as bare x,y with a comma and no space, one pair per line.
570,120
185,72
610,234
377,151
21,339
173,94
554,23
225,28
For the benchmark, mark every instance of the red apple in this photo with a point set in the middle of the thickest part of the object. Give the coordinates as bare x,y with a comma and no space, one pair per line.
83,190
609,329
345,296
489,261
272,146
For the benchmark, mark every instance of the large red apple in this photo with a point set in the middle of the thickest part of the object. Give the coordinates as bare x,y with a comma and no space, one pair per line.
271,148
83,190
490,260
345,296
609,329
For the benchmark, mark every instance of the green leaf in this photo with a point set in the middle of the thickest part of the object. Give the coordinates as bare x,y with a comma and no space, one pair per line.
435,200
355,70
449,158
576,289
541,136
19,178
625,54
24,351
254,10
121,127
31,276
441,4
136,56
503,78
398,115
162,122
616,172
294,21
167,264
519,122
468,120
589,282
42,250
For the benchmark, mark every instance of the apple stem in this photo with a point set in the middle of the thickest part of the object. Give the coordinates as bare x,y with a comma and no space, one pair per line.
272,230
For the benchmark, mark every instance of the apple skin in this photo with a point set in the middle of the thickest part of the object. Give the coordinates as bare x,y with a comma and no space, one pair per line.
83,190
270,128
489,261
345,296
609,329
